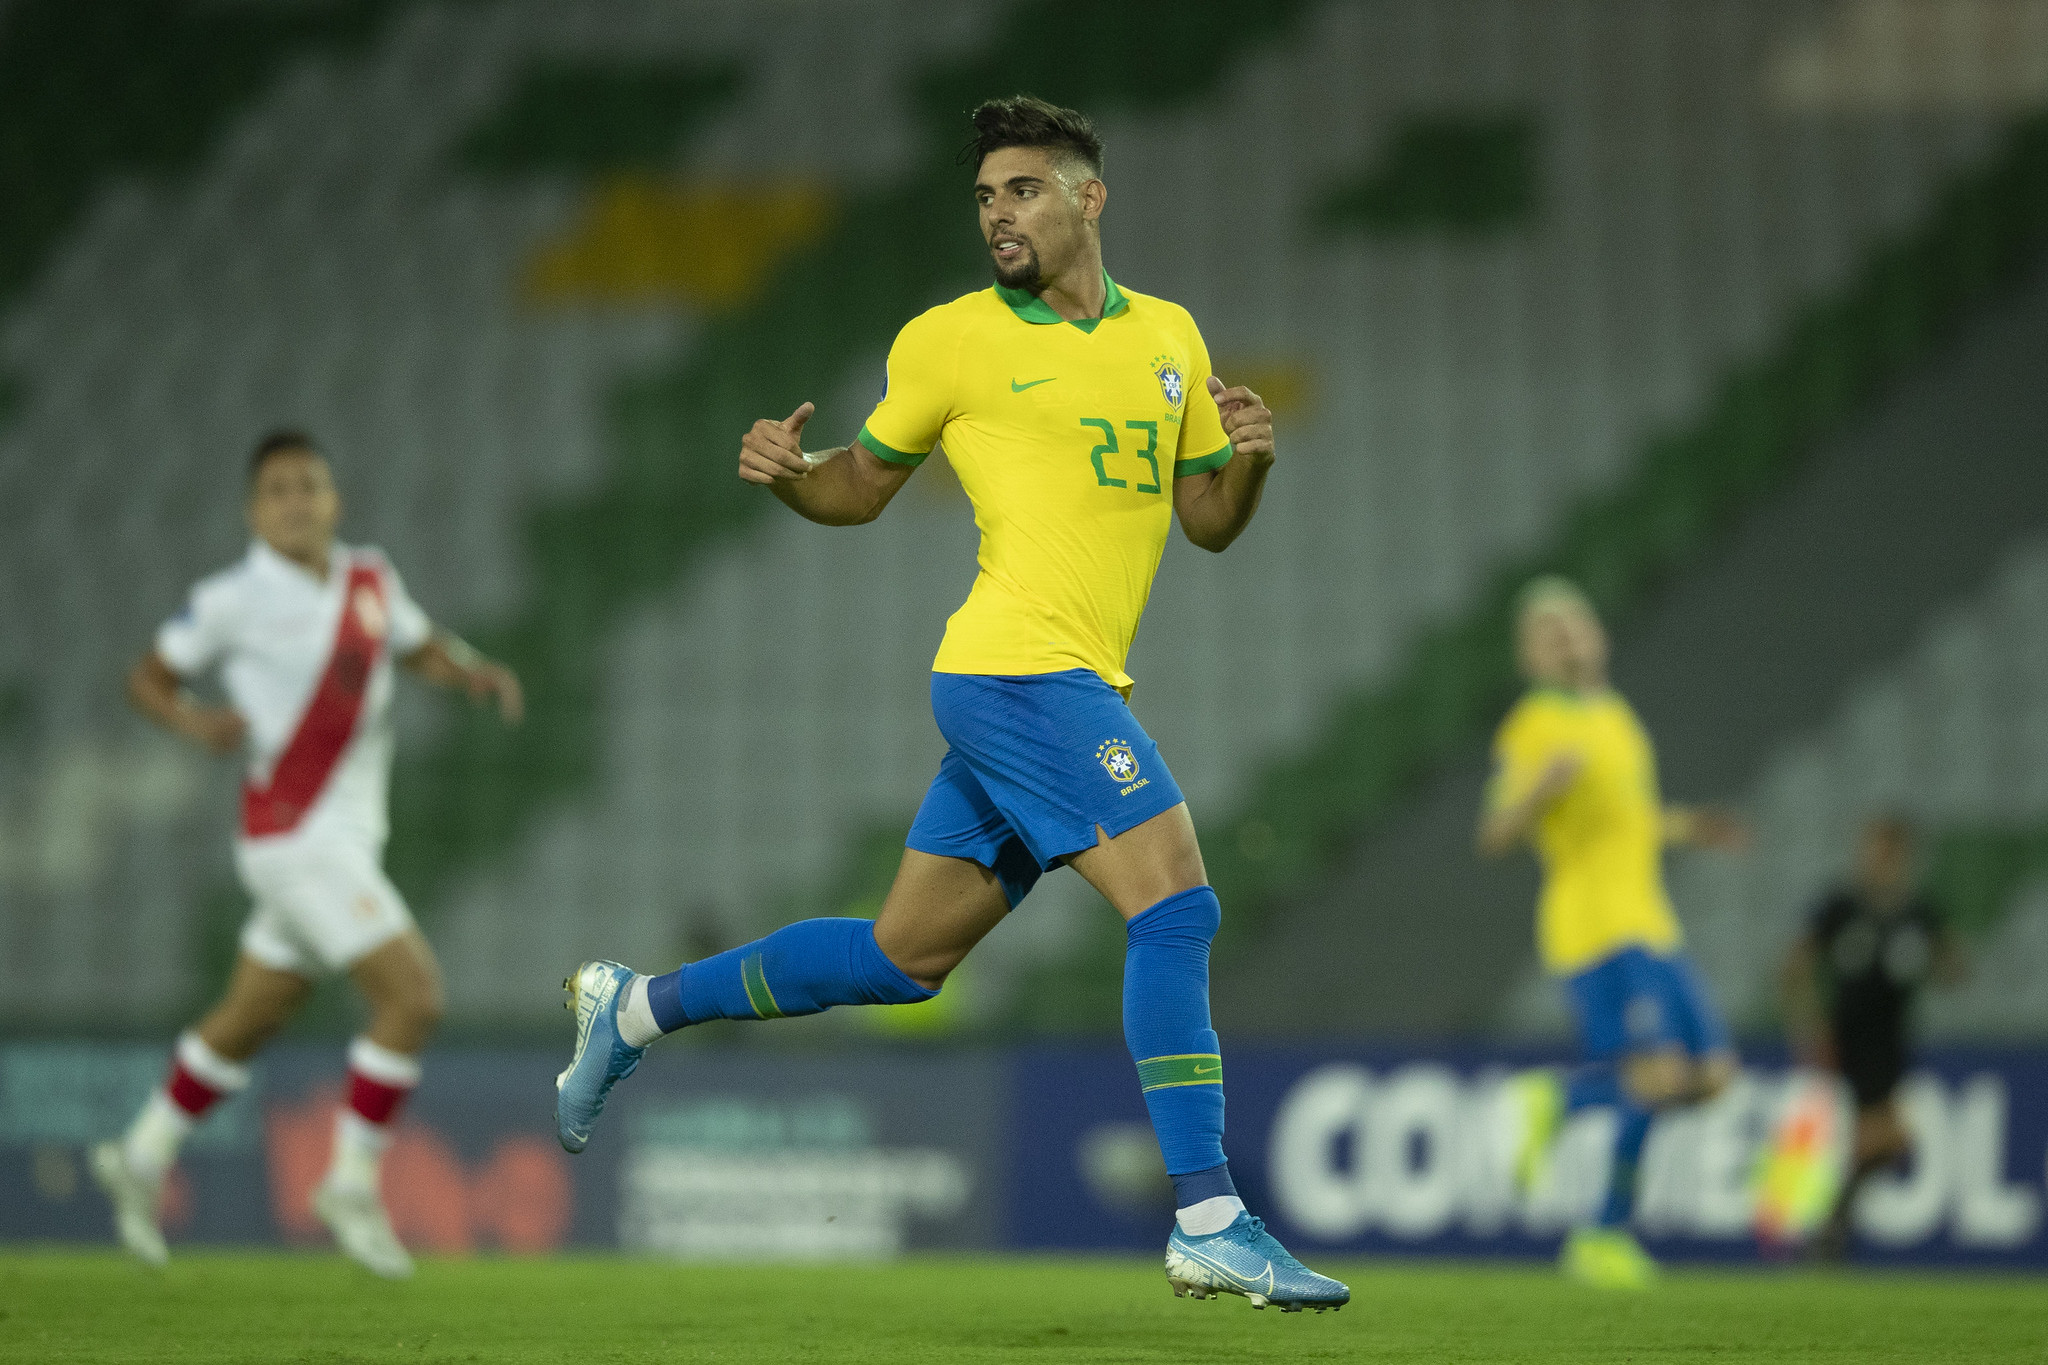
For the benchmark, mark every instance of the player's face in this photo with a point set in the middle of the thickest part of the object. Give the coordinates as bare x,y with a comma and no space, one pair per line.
1885,862
293,506
1035,214
1563,646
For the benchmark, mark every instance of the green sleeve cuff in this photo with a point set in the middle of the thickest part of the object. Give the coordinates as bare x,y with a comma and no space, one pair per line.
890,453
1202,464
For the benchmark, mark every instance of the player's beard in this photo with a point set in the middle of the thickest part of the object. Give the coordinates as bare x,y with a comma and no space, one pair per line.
1025,274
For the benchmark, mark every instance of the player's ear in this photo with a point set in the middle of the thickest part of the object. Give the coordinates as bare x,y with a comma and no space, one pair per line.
1094,194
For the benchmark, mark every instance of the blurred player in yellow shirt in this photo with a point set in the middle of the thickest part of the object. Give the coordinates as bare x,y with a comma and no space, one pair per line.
1576,777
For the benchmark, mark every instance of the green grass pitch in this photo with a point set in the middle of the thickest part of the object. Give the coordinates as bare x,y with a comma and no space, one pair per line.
60,1306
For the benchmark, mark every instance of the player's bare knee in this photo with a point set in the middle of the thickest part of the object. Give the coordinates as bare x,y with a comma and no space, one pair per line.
928,968
251,1014
1655,1079
238,1034
430,1008
405,1025
424,1005
1712,1076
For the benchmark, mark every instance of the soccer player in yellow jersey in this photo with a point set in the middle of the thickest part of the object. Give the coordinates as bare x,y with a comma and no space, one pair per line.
1576,777
1082,419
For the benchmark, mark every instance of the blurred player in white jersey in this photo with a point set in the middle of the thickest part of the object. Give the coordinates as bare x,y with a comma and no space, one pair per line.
304,632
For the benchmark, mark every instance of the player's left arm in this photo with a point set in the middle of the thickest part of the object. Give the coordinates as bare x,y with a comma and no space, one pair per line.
1806,1020
1216,505
447,661
1515,801
1715,827
1951,958
437,656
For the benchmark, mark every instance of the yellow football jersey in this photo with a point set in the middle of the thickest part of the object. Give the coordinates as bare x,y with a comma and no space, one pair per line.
1601,843
1067,436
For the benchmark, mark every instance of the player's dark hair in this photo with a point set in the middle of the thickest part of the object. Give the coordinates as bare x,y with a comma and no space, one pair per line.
1027,121
283,441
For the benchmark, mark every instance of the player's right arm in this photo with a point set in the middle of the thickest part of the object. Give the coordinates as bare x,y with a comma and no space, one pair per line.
187,645
156,690
1799,997
1530,774
851,484
845,486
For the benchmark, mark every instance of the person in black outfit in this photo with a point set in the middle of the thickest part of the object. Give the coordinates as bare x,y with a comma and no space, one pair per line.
1850,981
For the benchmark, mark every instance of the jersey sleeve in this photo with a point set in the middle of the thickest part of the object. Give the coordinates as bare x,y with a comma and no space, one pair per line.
1522,748
917,391
199,636
1203,444
410,626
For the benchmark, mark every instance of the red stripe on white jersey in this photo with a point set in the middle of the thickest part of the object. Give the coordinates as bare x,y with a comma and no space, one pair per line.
329,722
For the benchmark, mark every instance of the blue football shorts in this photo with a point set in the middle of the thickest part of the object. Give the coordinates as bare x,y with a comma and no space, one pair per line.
1639,1001
1034,765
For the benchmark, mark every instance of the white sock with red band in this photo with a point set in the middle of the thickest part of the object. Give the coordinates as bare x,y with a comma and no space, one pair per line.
199,1079
379,1080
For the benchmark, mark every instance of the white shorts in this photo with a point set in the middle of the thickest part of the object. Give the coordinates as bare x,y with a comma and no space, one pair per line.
321,904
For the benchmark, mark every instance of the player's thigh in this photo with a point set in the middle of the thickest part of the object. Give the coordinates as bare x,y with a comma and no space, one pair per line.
1714,1073
1074,777
938,908
1880,1131
323,905
401,976
1694,1019
1598,996
1657,1076
1145,864
257,1003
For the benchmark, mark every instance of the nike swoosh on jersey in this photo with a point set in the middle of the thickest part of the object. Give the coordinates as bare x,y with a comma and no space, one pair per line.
1015,387
1206,1070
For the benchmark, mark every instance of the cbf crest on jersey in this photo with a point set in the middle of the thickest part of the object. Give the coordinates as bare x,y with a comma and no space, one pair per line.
1117,760
1167,371
370,613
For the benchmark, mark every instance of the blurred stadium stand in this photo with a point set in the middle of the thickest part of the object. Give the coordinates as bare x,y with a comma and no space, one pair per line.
1608,286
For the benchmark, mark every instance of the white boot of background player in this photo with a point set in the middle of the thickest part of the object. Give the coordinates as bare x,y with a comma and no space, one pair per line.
350,1200
131,1171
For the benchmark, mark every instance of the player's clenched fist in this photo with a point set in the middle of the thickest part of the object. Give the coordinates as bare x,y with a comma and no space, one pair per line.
774,450
1246,420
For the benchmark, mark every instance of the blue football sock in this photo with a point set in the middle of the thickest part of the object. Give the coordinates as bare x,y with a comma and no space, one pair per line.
1192,1188
1166,1025
1631,1132
801,968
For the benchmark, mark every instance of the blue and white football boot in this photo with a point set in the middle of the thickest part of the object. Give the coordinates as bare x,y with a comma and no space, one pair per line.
1246,1259
602,1058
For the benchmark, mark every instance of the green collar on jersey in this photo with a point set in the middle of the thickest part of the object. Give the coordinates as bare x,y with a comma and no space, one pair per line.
1034,309
1572,696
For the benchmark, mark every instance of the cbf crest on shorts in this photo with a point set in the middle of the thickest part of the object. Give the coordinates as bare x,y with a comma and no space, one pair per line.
1167,372
1117,760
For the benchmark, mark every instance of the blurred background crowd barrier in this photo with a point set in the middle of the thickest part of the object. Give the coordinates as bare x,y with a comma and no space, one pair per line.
717,1154
1731,309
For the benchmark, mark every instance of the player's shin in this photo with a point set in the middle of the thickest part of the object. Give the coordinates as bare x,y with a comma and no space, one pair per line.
379,1083
801,968
199,1079
1180,1069
1595,1084
1632,1130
